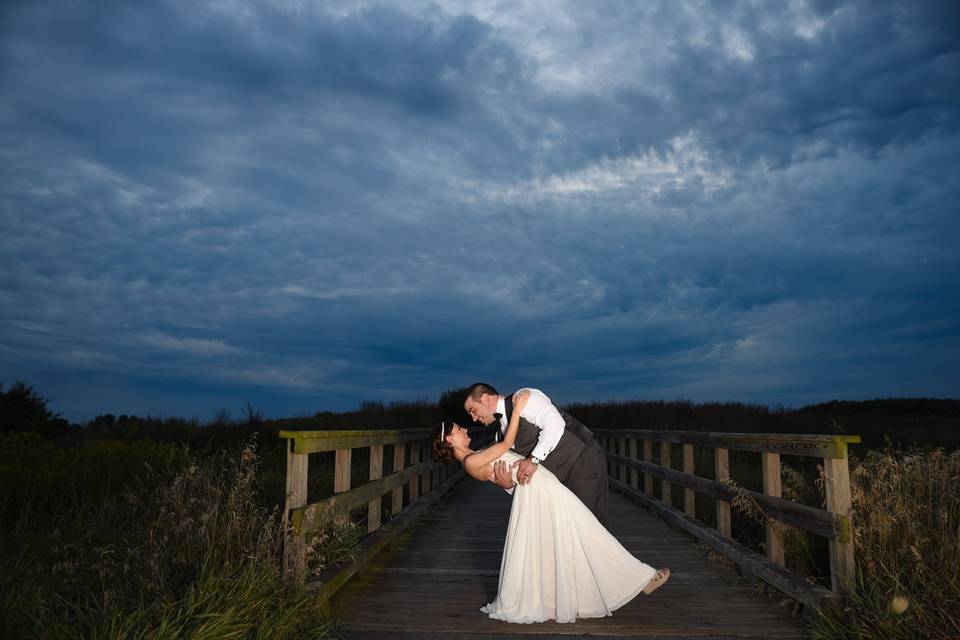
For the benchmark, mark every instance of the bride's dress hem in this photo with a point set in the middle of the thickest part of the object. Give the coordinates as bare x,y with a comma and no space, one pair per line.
559,563
488,609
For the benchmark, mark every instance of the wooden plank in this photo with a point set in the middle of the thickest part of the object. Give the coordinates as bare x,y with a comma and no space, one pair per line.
750,561
704,599
399,457
771,487
794,444
312,516
689,501
666,494
376,472
295,551
810,519
634,474
331,580
319,441
843,569
647,476
721,460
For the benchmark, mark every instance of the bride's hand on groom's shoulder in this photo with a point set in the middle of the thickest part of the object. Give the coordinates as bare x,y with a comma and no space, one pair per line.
520,398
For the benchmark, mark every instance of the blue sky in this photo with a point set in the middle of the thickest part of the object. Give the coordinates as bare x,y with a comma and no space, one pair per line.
303,205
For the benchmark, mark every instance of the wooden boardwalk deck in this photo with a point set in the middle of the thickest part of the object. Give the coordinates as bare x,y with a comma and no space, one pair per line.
434,580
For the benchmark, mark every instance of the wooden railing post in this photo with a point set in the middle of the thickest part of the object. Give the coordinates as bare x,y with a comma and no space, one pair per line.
424,478
634,476
689,501
772,487
399,456
295,551
721,459
605,443
647,476
341,476
414,459
832,522
376,472
665,492
623,451
837,484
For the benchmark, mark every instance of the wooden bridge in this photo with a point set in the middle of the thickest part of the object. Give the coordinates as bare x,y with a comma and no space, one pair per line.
429,568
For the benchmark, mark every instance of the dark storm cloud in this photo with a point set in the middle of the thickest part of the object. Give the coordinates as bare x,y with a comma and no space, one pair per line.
309,205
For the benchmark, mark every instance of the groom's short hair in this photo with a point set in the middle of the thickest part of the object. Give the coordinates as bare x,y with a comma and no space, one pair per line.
477,389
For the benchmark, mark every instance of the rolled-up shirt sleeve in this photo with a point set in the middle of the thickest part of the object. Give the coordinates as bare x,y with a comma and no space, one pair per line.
541,412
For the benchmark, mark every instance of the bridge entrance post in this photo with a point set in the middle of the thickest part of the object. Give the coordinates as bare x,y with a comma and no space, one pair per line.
294,550
843,570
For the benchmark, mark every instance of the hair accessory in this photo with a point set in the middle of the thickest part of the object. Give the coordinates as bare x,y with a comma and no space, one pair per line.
443,426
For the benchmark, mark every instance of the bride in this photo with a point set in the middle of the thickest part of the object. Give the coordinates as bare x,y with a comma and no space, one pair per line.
559,563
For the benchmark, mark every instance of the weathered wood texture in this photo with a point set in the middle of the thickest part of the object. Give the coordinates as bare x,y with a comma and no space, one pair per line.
319,441
294,549
308,518
433,580
331,580
794,444
824,523
721,458
837,487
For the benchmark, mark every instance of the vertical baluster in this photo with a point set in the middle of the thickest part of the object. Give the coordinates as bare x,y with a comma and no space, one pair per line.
665,487
341,478
771,487
414,459
376,472
425,477
399,454
605,443
721,459
647,476
623,452
689,501
634,476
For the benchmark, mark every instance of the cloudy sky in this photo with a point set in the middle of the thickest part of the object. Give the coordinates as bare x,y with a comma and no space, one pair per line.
305,205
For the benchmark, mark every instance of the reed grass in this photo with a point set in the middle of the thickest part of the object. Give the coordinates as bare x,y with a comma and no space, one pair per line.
907,544
184,550
906,515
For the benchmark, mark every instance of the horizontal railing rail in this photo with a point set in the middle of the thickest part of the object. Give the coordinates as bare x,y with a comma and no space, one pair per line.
832,523
425,481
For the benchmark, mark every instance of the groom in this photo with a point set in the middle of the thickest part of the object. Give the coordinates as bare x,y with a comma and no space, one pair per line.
549,437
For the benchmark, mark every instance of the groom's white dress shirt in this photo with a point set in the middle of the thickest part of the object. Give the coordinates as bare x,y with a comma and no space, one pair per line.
541,412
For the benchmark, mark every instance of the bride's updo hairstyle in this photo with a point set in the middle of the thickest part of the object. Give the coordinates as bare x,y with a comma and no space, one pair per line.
442,451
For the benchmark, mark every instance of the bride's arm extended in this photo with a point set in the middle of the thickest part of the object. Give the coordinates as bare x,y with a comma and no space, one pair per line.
480,459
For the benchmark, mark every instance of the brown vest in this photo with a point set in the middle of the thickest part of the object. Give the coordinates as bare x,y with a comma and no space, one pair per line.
576,437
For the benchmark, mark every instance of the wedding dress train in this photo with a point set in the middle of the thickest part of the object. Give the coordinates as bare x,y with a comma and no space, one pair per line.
559,563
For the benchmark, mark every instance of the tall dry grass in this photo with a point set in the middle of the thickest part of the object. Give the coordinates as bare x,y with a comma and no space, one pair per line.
184,551
907,543
906,515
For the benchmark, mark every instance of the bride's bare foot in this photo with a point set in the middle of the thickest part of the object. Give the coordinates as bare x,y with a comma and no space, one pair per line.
658,581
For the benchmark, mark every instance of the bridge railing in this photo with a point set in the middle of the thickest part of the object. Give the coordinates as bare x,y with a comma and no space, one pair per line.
412,467
624,450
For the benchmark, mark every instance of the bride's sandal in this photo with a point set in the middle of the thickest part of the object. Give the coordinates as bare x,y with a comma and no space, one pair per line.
658,581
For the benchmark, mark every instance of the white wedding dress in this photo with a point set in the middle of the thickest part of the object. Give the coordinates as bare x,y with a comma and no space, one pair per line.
559,563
